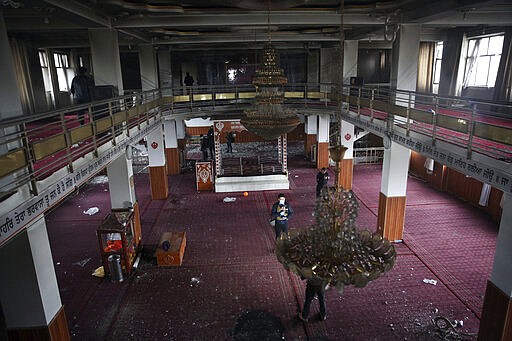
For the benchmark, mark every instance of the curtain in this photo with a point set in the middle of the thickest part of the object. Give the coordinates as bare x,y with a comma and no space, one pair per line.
450,64
503,85
425,66
19,56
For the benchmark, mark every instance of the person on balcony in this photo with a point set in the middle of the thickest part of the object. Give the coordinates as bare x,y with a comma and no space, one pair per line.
82,88
188,81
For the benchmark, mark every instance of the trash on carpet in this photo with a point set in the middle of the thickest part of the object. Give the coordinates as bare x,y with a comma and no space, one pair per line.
194,280
82,262
99,272
430,281
92,211
229,199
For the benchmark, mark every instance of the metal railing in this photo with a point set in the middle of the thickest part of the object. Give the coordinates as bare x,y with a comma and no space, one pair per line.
33,147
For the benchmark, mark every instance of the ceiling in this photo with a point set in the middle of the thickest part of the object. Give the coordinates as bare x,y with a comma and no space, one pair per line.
205,24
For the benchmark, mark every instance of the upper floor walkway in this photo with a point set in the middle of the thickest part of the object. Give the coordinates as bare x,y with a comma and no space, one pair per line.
44,157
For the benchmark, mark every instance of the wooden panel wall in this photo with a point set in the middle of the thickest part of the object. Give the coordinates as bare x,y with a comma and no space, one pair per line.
245,136
496,321
309,141
417,167
197,131
322,157
346,173
57,330
466,188
391,217
159,182
172,158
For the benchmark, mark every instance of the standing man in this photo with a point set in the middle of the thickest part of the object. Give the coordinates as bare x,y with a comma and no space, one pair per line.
204,147
188,81
82,87
281,213
230,138
322,178
211,141
314,287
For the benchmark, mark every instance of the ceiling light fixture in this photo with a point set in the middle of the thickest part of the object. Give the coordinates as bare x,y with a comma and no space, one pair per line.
268,116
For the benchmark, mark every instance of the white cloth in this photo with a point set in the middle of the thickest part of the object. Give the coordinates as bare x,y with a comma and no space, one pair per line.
484,195
429,165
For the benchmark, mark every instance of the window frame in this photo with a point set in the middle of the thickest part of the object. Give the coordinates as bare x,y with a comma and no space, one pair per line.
473,63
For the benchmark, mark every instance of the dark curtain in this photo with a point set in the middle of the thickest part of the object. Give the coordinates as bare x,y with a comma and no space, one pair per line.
503,85
450,64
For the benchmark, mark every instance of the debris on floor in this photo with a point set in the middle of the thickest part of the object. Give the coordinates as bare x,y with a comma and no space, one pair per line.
82,262
92,211
229,199
430,281
99,272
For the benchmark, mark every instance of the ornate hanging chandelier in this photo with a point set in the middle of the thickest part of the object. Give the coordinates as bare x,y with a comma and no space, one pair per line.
334,250
268,117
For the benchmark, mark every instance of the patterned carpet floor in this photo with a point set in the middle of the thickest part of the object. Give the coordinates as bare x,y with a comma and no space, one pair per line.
230,285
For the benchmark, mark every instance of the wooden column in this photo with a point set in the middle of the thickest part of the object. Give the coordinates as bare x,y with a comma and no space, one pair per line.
322,158
391,217
159,182
136,222
346,173
496,322
309,141
172,159
57,330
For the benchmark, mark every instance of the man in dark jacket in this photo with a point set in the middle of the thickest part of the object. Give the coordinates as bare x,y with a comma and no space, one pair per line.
322,178
281,213
314,287
82,87
204,147
211,141
230,138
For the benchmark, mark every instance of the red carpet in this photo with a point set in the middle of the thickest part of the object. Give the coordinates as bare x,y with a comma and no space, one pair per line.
229,270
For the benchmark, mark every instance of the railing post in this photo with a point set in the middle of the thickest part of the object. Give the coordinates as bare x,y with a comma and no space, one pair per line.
213,96
94,132
305,95
407,115
113,127
471,128
29,158
371,104
434,119
237,96
358,101
68,141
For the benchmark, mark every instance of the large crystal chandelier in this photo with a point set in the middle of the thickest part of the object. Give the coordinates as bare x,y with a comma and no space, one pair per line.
268,117
334,249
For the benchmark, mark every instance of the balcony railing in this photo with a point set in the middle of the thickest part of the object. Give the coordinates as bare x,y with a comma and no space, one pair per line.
34,147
